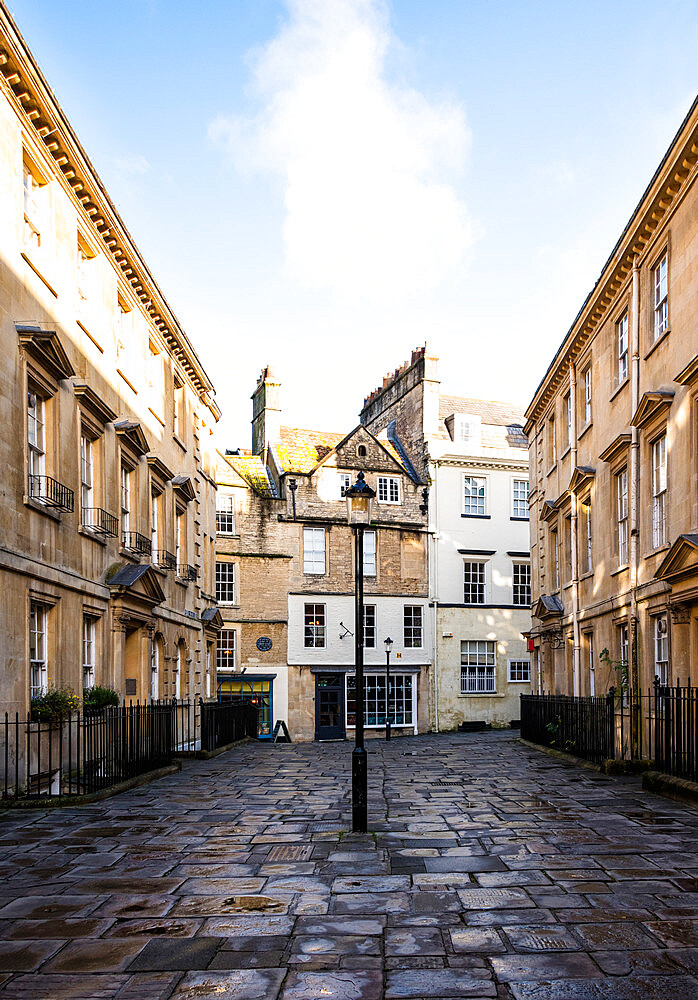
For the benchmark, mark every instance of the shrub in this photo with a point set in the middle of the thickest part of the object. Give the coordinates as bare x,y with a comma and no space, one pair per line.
54,704
99,697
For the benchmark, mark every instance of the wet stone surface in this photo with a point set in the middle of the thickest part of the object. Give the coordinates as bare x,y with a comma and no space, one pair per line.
490,871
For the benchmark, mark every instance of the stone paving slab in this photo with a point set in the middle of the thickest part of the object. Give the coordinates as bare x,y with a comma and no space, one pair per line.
489,871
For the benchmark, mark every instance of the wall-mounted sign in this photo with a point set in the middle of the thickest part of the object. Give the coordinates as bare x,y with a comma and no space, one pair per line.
264,643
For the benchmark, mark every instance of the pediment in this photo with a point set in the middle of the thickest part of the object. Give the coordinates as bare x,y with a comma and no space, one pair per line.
689,375
651,405
581,477
131,433
616,448
548,510
93,403
212,618
184,488
159,468
681,560
45,347
547,606
139,583
380,455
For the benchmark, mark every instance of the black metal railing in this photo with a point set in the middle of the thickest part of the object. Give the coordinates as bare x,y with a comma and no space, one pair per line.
51,493
187,572
676,730
227,722
135,542
82,753
584,727
100,521
164,559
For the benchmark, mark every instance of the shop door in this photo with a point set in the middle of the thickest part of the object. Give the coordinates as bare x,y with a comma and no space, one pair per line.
329,707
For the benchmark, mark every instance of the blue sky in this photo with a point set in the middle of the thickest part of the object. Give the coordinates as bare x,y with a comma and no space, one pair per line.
322,185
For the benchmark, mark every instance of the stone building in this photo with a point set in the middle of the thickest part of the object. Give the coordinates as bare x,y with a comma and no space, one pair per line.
473,455
613,430
106,467
290,577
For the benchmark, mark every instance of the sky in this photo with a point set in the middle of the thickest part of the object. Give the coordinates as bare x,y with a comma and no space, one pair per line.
323,185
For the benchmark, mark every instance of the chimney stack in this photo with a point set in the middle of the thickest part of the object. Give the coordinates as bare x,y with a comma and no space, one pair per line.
266,412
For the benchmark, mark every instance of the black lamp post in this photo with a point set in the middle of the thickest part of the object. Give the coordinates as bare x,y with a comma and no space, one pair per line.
359,497
388,644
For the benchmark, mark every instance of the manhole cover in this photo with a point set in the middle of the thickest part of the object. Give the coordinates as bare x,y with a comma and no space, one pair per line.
289,852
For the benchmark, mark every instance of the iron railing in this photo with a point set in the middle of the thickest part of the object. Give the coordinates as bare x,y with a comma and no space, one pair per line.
51,493
187,572
227,722
135,542
660,727
164,559
83,753
584,727
100,521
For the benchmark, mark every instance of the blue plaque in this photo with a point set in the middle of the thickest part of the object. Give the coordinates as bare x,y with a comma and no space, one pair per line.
264,643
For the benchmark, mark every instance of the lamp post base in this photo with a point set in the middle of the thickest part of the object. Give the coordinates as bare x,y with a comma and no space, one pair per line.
359,790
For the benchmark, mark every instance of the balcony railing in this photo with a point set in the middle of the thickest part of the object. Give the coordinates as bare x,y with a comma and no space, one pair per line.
137,543
100,521
51,493
164,559
187,572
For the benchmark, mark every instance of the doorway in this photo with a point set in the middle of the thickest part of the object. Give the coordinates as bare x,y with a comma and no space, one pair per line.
329,707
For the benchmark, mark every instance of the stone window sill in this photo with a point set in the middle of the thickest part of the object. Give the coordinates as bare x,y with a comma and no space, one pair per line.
620,569
657,342
55,515
623,384
86,533
584,430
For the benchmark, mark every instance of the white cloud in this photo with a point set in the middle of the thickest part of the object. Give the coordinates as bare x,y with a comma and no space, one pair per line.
369,166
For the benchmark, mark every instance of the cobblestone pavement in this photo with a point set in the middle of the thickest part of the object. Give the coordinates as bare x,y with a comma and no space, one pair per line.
492,870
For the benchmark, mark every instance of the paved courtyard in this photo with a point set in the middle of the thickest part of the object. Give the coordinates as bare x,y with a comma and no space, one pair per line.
492,870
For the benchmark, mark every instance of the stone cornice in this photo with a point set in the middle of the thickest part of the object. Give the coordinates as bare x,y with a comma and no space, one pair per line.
506,465
667,187
45,122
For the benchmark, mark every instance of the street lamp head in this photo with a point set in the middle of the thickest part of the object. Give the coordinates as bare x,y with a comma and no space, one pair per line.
387,643
359,499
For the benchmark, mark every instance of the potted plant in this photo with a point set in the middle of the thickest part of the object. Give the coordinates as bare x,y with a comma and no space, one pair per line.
96,698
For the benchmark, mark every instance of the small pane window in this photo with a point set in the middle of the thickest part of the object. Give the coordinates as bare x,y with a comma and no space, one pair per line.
478,672
225,582
88,652
659,491
369,553
225,653
370,626
314,550
87,478
622,341
519,671
474,582
474,495
521,498
125,503
314,626
661,649
388,489
622,515
661,297
38,665
587,396
412,626
36,424
225,513
343,483
522,584
377,707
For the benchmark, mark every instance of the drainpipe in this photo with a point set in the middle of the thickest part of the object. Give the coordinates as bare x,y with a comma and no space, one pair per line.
577,646
634,497
433,541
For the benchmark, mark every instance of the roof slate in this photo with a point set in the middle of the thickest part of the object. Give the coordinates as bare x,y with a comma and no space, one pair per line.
255,473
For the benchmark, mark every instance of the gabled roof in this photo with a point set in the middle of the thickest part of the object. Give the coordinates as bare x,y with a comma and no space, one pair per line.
397,444
255,473
547,606
650,405
46,348
139,581
299,450
212,618
680,560
131,432
548,510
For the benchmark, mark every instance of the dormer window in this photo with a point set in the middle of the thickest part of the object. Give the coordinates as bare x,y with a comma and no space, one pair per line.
467,429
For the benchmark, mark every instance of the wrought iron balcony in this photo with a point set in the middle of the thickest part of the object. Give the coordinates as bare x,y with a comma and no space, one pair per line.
187,572
51,493
137,543
100,521
164,559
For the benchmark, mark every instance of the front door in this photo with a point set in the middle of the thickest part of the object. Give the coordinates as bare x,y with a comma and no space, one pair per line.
329,707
